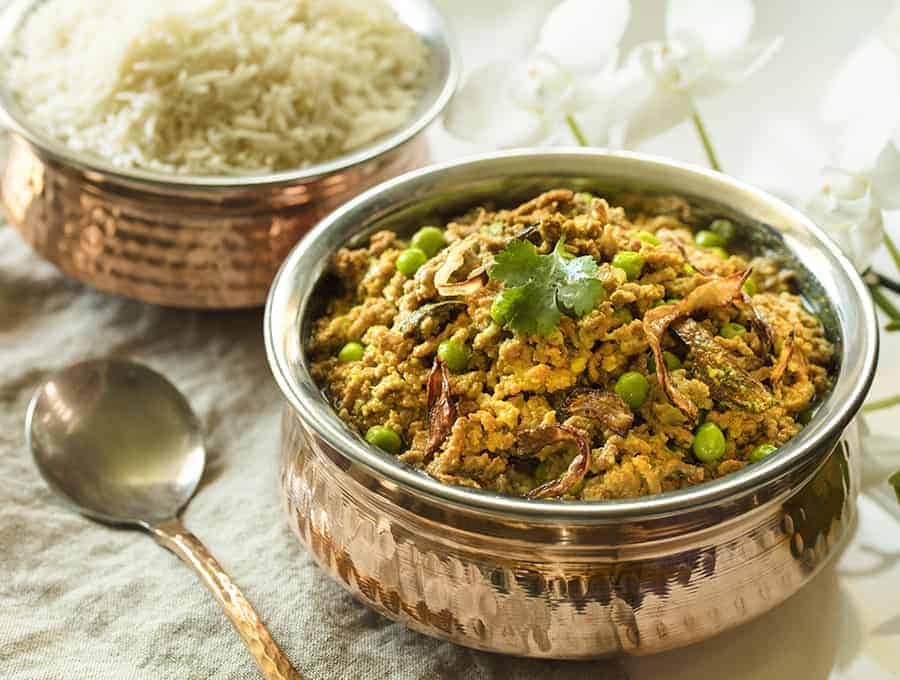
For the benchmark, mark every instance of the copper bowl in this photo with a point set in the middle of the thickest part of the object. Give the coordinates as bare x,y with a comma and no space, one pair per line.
190,241
569,579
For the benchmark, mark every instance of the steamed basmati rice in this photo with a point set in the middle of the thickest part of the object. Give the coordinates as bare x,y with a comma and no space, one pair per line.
217,87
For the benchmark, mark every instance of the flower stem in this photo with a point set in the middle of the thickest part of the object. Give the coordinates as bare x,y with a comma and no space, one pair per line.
576,130
882,280
879,404
707,145
892,248
886,306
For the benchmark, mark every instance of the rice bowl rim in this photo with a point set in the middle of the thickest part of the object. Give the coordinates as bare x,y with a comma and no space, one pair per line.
289,308
442,77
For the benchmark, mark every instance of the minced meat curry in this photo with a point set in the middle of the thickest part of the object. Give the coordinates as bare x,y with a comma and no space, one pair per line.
570,349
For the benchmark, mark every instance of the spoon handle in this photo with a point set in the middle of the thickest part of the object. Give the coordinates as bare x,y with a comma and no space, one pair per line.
272,662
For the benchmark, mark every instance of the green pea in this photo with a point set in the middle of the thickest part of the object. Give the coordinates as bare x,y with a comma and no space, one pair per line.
430,240
750,286
384,438
624,316
647,237
630,262
724,228
410,260
633,388
455,354
709,443
658,303
761,452
689,269
708,239
583,197
721,252
673,363
501,308
732,330
352,351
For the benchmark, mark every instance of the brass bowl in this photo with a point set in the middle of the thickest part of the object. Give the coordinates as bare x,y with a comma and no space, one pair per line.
569,579
190,241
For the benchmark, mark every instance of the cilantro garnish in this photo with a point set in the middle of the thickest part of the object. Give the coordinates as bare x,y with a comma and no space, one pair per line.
539,288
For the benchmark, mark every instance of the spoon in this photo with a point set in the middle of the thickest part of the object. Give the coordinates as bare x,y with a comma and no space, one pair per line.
122,445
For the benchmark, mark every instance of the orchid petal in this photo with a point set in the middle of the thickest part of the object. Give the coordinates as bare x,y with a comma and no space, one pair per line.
723,25
673,65
595,122
844,207
476,27
734,67
639,101
886,178
889,30
864,97
654,111
599,105
582,34
543,87
860,82
657,114
481,113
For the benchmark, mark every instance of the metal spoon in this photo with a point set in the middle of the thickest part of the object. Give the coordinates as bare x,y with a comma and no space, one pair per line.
121,443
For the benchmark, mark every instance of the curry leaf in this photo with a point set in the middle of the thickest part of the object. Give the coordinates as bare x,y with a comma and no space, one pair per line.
539,288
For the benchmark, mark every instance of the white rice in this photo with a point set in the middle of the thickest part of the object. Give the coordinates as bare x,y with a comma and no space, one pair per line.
217,87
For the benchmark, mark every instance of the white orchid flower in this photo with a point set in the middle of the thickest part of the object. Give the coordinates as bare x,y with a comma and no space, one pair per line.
849,205
863,103
707,49
530,97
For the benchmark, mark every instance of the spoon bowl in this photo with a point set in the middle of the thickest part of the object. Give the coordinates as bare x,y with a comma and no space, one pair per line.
117,440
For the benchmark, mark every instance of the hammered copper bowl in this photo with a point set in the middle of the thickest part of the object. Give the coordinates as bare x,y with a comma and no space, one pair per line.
203,242
568,579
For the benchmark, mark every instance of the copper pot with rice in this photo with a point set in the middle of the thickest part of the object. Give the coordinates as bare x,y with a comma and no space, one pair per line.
187,238
568,577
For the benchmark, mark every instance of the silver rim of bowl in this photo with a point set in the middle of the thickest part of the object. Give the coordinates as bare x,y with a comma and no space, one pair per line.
857,359
441,83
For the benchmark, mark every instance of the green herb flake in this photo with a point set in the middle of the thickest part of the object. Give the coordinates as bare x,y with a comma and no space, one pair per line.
540,288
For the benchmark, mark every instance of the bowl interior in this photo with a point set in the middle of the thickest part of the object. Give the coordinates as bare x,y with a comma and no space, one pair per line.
439,83
825,278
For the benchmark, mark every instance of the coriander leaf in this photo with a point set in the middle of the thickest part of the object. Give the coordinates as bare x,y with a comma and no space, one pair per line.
581,296
536,311
515,264
538,288
504,305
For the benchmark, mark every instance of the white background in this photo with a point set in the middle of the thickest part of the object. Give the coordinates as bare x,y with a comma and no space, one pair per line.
768,131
